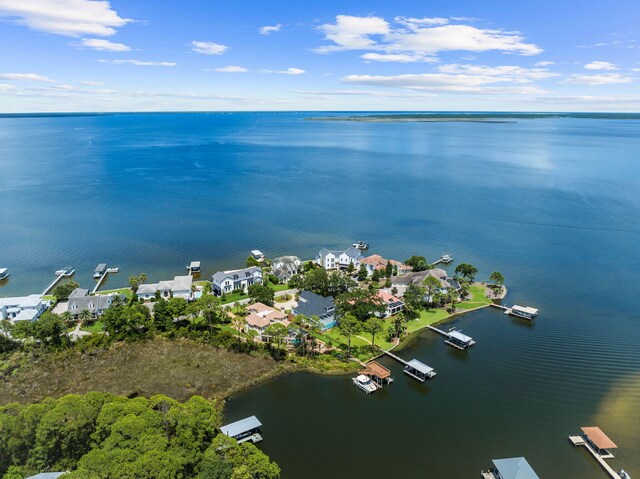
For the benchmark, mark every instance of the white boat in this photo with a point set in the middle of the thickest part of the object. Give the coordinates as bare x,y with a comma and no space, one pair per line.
66,271
113,270
623,474
447,258
4,273
361,245
364,383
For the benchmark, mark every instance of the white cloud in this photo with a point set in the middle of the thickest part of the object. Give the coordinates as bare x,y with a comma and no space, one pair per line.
506,72
231,69
288,71
26,77
478,82
71,18
397,57
418,38
140,63
600,66
89,83
62,87
598,79
208,48
268,29
544,64
106,45
5,87
373,93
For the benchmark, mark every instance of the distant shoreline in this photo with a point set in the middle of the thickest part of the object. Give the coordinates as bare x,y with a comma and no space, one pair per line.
372,119
459,117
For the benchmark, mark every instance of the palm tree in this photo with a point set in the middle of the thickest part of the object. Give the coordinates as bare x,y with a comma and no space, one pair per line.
432,284
373,326
85,316
349,327
239,323
143,278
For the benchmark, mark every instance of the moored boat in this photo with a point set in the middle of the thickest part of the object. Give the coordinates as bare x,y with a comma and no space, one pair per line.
4,273
361,245
365,384
66,271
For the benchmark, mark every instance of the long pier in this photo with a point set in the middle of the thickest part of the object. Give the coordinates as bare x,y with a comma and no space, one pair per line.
439,331
53,283
397,358
579,441
102,278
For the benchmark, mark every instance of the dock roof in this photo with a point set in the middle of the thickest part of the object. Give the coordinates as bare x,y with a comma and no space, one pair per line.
377,369
419,366
515,468
460,337
240,427
194,264
599,438
101,267
525,309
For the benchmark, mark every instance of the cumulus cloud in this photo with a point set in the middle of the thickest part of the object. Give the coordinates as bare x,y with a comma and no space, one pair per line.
544,64
600,66
290,71
26,77
89,83
106,45
398,57
505,72
208,48
71,18
231,69
140,63
5,87
598,79
419,38
268,29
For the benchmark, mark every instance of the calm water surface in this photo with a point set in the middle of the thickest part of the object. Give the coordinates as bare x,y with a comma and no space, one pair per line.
552,203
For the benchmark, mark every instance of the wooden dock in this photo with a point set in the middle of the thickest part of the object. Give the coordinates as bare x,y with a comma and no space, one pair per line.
102,278
53,283
578,441
397,358
445,258
439,331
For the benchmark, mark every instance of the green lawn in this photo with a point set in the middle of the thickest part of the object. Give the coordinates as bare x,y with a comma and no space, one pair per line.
476,300
233,297
278,287
126,291
97,327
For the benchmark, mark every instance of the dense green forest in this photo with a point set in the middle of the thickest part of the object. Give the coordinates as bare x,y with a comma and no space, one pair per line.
102,436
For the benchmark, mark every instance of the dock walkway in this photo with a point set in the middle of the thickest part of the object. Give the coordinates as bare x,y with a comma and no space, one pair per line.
102,278
53,283
397,358
439,331
579,441
446,259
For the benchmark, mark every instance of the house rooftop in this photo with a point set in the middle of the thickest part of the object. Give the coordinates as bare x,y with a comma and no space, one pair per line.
148,288
240,427
312,304
599,438
515,468
79,293
182,283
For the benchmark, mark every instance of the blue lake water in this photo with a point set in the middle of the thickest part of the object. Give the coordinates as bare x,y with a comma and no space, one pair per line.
554,204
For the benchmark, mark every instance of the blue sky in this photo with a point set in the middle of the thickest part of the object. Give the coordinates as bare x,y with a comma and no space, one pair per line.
125,55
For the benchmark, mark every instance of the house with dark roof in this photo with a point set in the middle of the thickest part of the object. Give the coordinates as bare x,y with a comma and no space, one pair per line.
79,301
225,282
401,282
285,266
311,304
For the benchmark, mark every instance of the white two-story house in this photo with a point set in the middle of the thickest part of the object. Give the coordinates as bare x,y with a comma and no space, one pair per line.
224,282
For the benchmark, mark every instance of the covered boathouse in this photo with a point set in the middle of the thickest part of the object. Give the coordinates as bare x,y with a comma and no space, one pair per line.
524,311
377,373
419,371
599,441
247,429
511,468
459,341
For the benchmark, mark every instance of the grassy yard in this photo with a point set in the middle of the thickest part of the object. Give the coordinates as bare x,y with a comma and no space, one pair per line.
278,287
233,297
476,300
97,327
126,291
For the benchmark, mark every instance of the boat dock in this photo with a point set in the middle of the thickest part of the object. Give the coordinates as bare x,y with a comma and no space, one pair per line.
104,272
414,368
61,273
439,331
455,339
523,312
247,429
397,358
445,259
579,441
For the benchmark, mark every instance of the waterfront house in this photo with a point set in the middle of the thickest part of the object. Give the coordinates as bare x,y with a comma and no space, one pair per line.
147,290
79,301
394,305
311,304
377,262
339,259
164,288
225,282
401,282
23,308
285,266
511,468
261,316
599,441
181,287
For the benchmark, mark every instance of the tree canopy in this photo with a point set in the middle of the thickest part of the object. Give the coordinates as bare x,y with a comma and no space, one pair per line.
466,271
103,436
261,293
